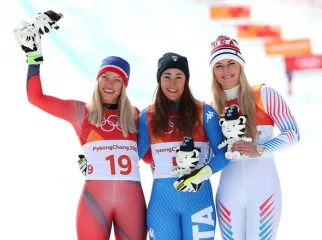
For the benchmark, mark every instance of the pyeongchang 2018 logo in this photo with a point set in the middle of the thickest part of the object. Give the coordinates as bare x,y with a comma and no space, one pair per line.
167,150
110,123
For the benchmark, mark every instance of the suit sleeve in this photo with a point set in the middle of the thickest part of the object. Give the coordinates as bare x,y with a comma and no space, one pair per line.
144,145
279,112
72,111
214,134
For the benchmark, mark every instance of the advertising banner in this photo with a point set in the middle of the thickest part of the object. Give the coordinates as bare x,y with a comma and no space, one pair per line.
298,47
252,31
296,63
229,12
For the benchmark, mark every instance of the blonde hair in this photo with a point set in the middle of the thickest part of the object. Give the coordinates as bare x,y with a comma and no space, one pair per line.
126,113
245,99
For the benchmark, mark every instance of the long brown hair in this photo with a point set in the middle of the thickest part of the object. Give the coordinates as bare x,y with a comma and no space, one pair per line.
187,112
245,99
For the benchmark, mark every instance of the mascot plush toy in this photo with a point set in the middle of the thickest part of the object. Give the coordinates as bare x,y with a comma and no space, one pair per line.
233,127
28,37
187,158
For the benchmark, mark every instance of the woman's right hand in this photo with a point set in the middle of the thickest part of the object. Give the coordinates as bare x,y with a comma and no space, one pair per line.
29,41
29,35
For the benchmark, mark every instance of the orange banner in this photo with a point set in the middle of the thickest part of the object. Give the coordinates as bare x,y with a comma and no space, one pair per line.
229,12
259,31
289,47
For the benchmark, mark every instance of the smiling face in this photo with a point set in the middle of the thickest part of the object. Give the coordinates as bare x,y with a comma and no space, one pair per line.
110,87
172,84
227,73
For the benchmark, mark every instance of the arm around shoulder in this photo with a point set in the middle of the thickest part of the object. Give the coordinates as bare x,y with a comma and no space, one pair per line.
215,137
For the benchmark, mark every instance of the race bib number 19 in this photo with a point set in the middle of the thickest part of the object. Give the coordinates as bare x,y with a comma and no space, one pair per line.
112,160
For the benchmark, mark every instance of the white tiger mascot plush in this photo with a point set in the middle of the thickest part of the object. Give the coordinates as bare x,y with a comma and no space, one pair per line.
187,158
29,35
233,127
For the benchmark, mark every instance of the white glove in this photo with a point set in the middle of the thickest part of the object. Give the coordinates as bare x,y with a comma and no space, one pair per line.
30,43
28,38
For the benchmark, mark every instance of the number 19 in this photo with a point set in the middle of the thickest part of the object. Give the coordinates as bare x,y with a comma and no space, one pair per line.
127,166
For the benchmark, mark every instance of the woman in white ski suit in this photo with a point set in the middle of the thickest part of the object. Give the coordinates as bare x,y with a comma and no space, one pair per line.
249,195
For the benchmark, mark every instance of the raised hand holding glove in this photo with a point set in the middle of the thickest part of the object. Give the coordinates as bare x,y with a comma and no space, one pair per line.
193,182
28,37
30,43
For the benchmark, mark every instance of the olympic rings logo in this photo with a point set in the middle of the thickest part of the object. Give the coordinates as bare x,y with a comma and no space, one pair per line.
110,123
171,127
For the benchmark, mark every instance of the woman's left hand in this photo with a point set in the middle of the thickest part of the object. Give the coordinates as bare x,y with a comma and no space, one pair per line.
246,148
